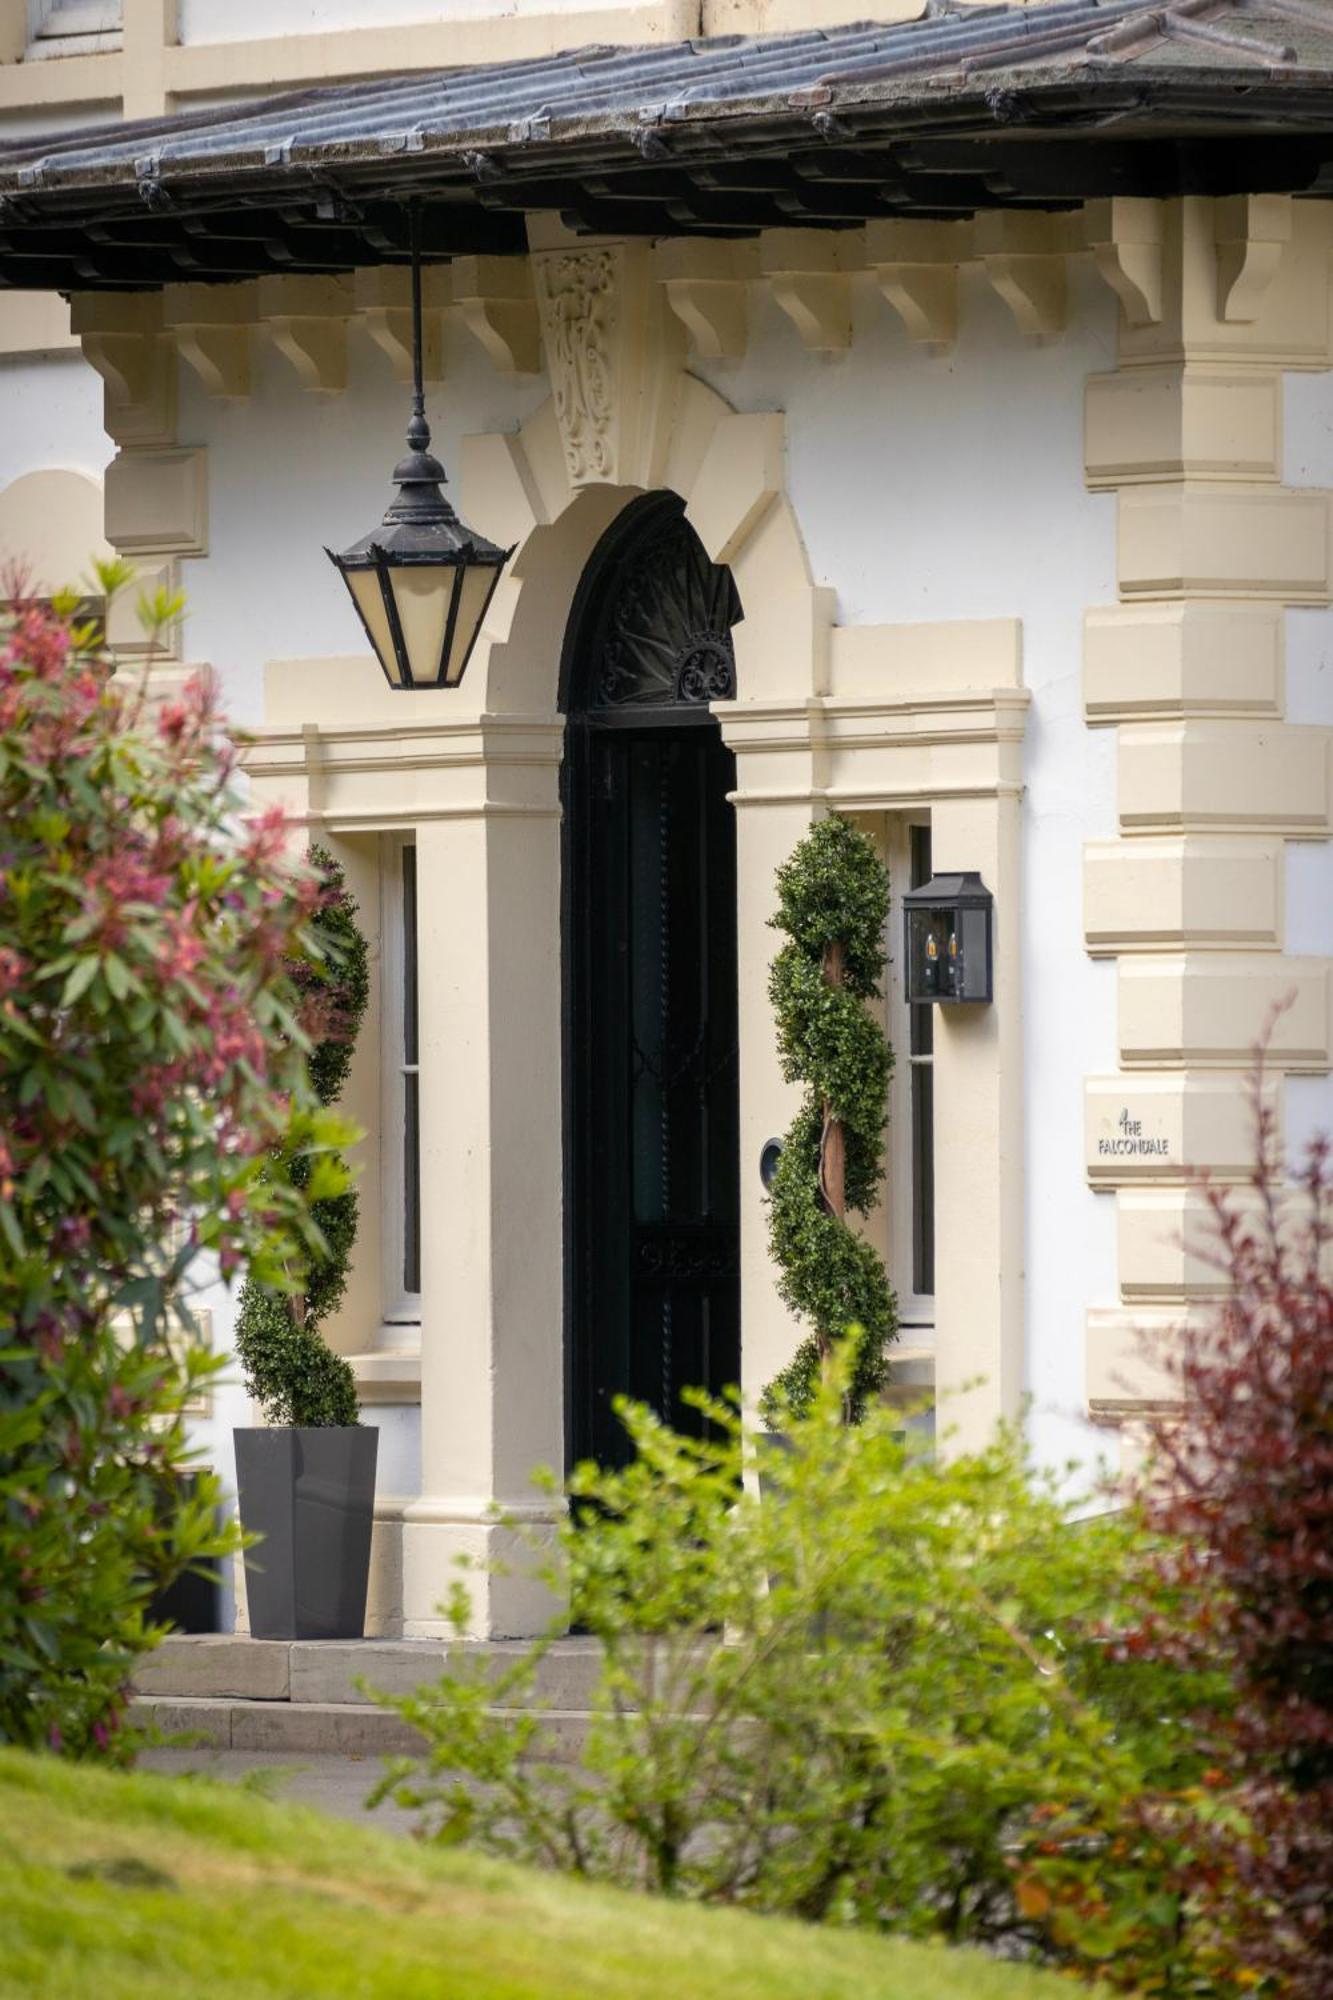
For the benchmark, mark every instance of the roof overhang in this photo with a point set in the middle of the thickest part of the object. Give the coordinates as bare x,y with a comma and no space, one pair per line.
1036,106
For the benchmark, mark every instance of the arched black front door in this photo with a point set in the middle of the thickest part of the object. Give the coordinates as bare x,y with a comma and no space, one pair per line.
652,1196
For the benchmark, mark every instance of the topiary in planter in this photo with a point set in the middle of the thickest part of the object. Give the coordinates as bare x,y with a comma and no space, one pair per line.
833,901
289,1369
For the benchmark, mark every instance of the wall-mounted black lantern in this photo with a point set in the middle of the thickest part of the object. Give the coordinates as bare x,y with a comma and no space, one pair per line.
948,921
421,581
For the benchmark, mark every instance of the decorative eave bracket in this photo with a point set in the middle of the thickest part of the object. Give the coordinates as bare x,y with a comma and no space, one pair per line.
808,272
1126,238
1251,232
212,329
383,300
915,265
707,286
310,327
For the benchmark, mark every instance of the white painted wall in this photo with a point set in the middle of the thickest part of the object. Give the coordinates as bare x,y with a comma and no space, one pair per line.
50,415
935,486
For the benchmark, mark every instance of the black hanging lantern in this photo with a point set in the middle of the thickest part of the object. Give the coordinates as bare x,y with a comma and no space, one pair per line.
948,921
421,581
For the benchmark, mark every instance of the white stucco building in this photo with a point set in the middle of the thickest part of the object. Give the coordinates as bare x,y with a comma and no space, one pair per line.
986,359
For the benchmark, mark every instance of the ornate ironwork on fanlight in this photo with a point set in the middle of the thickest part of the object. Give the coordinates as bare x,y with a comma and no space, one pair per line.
667,635
422,581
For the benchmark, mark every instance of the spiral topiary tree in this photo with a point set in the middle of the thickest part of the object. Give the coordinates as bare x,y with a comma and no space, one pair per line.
833,901
289,1368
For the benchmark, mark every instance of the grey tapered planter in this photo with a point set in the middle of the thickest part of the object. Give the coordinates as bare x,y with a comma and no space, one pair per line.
311,1495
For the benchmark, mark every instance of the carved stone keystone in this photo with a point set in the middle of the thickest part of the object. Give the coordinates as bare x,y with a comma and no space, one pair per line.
613,354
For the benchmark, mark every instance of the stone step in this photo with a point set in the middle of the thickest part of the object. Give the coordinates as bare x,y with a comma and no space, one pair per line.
344,1729
223,1667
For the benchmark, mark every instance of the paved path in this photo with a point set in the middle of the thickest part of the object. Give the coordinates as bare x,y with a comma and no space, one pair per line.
336,1784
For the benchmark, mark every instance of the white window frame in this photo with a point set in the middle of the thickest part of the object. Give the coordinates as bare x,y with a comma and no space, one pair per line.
401,1307
916,1310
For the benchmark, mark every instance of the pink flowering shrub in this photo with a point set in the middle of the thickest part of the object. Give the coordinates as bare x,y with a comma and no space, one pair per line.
151,1060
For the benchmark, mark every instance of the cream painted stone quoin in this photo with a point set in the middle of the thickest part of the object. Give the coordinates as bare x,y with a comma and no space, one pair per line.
1214,783
871,721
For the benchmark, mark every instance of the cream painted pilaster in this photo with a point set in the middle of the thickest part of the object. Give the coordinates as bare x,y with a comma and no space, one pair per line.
777,796
492,1378
978,1071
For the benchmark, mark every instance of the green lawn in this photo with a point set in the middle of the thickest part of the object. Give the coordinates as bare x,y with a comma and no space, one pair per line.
140,1888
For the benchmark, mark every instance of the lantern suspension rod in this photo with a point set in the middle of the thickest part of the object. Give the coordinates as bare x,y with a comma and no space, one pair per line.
418,433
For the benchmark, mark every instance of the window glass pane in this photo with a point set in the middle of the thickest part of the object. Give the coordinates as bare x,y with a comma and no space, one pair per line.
411,1084
921,1044
411,1186
923,1181
921,1020
409,955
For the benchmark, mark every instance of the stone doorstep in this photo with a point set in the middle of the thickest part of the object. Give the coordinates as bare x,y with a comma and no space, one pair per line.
231,1667
345,1729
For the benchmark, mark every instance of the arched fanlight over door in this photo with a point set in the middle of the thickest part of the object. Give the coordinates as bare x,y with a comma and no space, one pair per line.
663,632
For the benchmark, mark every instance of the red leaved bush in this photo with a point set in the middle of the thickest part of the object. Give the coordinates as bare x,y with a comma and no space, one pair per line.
1241,1482
151,1063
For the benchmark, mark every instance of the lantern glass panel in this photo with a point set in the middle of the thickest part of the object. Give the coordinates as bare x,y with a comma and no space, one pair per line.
423,594
974,936
368,597
927,944
478,582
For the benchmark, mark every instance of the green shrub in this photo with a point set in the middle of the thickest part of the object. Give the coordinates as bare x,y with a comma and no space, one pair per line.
833,902
854,1700
289,1368
150,1056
